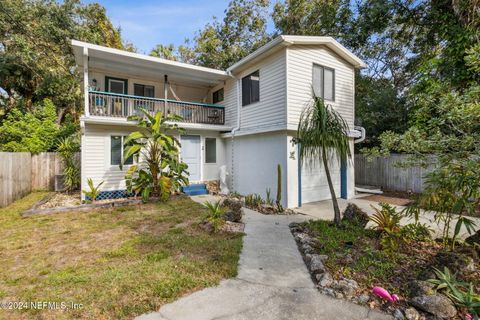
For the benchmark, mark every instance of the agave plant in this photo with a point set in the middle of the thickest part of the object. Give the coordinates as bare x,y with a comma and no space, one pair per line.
157,170
215,214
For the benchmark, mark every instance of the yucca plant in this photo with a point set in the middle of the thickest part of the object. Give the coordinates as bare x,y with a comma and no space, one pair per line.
323,135
94,190
67,148
215,214
386,219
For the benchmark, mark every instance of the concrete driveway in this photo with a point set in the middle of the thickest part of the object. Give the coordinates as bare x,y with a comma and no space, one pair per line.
272,283
324,210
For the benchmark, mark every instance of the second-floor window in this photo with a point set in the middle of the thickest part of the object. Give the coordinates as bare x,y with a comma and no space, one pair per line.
251,88
144,90
324,82
217,96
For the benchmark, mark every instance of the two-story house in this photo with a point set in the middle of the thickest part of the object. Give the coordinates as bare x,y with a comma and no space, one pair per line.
244,117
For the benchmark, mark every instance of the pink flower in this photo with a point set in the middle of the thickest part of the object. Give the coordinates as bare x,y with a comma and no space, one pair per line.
384,294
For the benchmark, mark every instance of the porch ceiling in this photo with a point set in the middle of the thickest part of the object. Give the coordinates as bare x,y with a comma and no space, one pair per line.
139,65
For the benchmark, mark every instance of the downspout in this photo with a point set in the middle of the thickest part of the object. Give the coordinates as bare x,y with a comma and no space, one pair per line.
234,130
362,136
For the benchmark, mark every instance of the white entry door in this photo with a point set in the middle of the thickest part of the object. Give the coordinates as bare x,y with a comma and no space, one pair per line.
190,153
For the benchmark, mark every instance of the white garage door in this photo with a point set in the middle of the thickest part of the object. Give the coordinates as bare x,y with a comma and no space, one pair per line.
314,181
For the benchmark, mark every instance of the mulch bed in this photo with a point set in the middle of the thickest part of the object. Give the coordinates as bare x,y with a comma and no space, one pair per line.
389,200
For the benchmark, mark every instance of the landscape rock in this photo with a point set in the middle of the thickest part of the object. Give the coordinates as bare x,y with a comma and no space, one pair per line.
234,209
398,314
412,314
316,264
474,239
234,227
346,287
419,288
328,291
339,295
364,298
207,226
306,248
325,279
355,215
455,261
437,305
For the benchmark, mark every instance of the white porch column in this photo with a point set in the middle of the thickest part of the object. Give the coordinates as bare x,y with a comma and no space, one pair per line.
85,81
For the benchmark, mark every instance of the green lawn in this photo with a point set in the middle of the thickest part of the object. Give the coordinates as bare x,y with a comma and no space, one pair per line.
117,263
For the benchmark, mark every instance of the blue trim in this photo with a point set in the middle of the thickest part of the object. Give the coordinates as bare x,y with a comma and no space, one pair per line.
157,99
299,177
343,179
113,194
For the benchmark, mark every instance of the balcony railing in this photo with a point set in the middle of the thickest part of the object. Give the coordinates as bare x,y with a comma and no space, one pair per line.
109,104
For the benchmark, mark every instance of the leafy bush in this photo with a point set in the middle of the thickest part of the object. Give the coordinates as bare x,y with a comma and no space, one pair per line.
416,232
215,214
157,170
33,132
94,190
355,215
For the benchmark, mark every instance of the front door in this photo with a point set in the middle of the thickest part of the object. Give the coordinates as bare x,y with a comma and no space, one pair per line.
191,155
118,105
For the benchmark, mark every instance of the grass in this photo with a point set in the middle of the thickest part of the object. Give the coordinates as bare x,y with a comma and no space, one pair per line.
117,263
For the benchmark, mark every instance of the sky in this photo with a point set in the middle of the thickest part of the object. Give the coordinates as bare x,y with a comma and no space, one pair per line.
148,23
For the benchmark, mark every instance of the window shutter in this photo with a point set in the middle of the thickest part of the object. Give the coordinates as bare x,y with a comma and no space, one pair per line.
246,85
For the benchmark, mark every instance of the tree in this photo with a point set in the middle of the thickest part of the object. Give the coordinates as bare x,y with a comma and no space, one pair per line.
323,134
36,61
157,169
222,43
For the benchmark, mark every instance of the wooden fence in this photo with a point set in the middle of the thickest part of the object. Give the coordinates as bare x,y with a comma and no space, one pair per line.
22,172
385,173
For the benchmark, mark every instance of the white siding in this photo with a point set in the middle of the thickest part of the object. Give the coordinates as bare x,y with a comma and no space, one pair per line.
270,111
229,102
255,163
96,157
300,60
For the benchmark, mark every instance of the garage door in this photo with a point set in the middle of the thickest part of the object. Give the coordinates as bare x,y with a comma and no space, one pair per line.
314,181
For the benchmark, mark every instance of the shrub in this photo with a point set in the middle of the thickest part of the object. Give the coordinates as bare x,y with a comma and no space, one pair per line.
416,232
253,200
354,215
67,148
386,219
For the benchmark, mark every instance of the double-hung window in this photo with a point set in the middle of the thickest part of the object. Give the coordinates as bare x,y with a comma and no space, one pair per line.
251,88
116,151
324,82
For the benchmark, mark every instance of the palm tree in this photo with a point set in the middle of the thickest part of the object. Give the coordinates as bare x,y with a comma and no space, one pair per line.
323,133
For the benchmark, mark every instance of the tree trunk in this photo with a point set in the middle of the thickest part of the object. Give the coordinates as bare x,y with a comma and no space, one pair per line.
336,209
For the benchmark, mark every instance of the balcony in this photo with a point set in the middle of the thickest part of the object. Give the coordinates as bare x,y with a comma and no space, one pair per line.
106,104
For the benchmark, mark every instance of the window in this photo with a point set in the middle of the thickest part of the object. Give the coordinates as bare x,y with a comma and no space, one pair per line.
251,88
143,90
218,96
210,150
324,82
116,151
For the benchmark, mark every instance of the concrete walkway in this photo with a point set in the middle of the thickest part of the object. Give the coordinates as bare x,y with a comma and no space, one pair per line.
272,283
324,210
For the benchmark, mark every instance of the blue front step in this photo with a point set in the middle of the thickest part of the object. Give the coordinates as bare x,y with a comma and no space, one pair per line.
195,189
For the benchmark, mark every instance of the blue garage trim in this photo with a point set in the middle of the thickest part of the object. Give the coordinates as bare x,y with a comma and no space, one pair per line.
343,180
299,164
